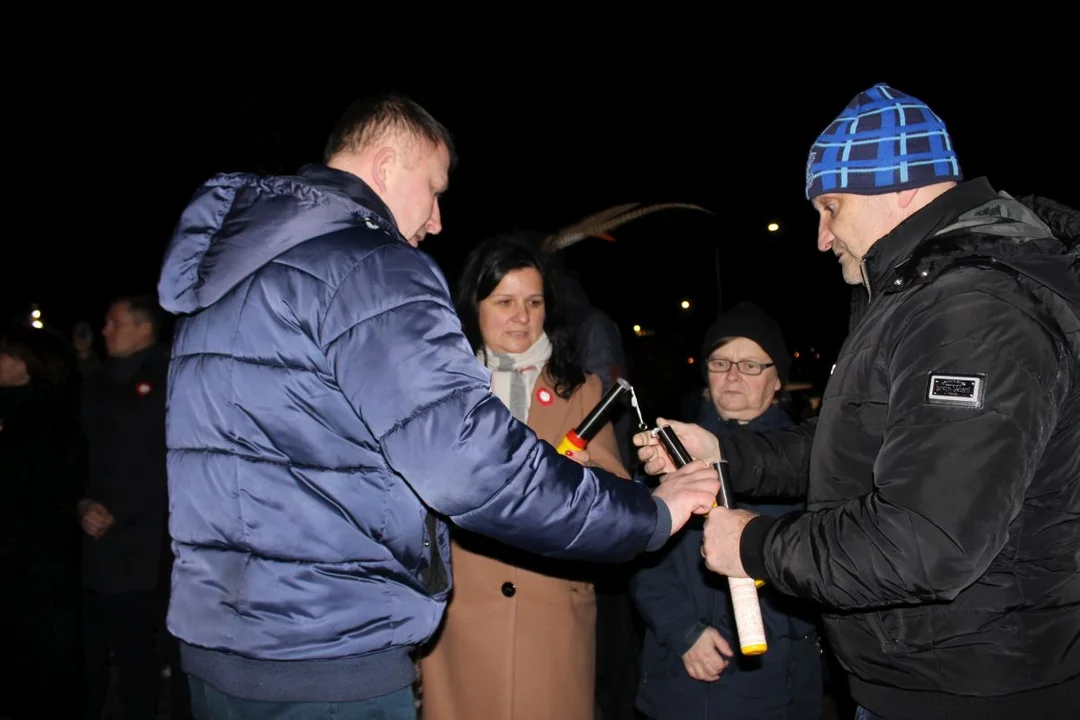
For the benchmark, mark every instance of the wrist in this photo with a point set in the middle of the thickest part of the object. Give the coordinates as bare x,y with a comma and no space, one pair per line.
686,640
662,530
752,546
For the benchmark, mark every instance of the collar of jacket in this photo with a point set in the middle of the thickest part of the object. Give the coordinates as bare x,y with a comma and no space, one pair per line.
882,261
151,358
357,190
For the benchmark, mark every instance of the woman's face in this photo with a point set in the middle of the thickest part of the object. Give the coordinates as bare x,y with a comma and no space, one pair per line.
738,396
512,316
12,371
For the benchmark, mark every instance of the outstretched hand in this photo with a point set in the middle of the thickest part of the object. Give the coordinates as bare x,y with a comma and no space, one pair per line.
690,490
699,442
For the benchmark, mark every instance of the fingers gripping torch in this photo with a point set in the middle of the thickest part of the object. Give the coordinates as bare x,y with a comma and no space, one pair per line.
578,439
744,596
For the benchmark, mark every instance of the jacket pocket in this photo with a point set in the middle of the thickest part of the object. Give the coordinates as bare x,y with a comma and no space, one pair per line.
902,630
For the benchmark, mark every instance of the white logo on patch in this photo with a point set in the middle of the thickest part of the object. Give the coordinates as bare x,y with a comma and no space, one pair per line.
956,390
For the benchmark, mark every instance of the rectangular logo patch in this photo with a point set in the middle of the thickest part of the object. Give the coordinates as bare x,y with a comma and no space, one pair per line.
956,390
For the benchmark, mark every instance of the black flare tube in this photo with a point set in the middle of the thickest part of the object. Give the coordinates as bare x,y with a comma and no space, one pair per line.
725,498
673,446
579,437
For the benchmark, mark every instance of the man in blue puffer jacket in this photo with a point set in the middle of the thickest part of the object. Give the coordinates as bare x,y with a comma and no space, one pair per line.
323,403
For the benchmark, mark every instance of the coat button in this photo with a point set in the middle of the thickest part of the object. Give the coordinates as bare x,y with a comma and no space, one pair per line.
508,589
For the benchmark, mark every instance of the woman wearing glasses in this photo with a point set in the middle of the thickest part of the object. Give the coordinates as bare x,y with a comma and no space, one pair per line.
689,667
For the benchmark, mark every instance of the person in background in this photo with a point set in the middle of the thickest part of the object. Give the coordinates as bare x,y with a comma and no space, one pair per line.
82,339
124,510
43,465
692,668
519,638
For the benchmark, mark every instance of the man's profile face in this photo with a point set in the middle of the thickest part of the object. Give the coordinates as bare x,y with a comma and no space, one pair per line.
850,224
413,190
125,332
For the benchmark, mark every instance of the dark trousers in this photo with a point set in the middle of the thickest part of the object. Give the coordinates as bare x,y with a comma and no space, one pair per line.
124,623
619,637
209,703
169,655
41,657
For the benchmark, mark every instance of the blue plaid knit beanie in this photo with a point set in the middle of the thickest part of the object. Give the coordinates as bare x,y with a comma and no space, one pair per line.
884,141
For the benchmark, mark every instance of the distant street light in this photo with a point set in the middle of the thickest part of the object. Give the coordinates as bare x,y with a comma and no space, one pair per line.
38,324
637,328
35,314
685,304
773,227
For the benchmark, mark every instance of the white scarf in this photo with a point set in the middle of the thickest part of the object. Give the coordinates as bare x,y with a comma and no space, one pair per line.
514,375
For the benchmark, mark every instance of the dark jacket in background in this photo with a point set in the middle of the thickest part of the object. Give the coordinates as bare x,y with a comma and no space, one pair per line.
123,417
619,629
42,465
680,598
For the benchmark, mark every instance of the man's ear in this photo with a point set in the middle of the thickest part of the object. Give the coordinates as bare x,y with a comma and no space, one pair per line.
904,198
382,165
147,329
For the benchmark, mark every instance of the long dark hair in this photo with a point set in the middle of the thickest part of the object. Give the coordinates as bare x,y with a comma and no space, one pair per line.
485,268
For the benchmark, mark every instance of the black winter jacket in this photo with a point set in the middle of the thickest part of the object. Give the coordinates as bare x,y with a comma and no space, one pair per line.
943,472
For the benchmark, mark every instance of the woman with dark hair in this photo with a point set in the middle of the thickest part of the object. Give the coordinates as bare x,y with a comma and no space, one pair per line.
519,637
486,268
42,464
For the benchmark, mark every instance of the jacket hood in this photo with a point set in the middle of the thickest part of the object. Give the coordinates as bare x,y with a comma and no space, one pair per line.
972,224
1063,221
238,222
1010,233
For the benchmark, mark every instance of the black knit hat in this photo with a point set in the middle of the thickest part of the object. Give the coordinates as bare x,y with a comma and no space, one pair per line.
749,321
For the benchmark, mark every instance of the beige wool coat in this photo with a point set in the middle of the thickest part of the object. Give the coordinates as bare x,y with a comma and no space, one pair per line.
519,638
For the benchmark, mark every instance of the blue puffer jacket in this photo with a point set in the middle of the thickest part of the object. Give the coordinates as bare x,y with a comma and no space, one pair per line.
321,394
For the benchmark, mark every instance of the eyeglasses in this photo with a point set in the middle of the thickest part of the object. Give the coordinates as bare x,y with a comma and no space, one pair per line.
746,367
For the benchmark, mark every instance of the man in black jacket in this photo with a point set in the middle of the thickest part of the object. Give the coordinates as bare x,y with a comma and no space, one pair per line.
124,511
942,530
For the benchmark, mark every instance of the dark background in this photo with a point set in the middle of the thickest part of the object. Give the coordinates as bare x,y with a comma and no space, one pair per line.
115,154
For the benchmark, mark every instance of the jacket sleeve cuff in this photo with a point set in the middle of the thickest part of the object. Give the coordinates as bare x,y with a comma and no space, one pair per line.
752,546
682,642
663,526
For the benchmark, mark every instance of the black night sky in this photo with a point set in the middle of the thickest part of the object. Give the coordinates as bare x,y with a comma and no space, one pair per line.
540,151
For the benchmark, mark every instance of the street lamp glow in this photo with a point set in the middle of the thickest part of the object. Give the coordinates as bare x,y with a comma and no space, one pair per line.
35,314
685,304
637,328
38,324
773,227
